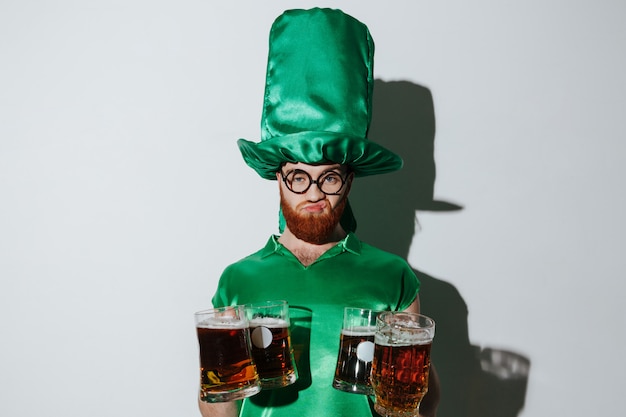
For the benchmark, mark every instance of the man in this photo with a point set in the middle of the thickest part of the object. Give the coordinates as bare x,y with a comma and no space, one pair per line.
316,114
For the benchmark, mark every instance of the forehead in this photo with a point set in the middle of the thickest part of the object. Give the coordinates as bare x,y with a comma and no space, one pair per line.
288,166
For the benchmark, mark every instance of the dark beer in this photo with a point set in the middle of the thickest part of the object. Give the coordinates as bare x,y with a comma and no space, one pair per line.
400,377
354,362
272,352
225,362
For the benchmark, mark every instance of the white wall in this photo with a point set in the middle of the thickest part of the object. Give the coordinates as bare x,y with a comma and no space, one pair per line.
123,195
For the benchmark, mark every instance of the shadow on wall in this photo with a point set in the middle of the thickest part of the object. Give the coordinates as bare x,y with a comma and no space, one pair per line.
475,382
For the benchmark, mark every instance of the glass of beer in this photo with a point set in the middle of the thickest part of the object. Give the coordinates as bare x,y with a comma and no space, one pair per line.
356,350
401,362
271,343
227,371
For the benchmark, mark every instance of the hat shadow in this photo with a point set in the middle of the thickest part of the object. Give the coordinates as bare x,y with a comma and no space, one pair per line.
385,209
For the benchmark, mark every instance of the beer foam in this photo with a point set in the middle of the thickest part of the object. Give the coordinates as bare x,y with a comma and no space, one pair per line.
395,337
222,323
359,331
269,322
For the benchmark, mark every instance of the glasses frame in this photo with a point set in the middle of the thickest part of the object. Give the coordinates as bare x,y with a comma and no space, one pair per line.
312,181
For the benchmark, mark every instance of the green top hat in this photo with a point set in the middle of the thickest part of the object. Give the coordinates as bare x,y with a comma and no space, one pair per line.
318,96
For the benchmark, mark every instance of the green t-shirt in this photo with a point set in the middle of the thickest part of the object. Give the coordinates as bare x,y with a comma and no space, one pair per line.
350,274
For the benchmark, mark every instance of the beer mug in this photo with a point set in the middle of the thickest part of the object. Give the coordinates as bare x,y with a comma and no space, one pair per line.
271,343
401,362
356,350
227,371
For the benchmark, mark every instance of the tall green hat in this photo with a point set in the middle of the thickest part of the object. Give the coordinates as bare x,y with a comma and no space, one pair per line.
318,96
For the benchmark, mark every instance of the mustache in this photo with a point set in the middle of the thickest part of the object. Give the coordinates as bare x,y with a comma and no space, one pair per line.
328,206
325,202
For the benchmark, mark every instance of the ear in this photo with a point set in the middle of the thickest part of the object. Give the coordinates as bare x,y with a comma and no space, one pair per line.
279,179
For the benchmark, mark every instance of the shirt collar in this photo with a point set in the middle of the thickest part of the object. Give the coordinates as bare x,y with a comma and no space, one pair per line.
351,243
348,244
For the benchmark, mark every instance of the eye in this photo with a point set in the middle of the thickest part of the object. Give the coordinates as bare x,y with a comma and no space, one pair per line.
331,178
299,177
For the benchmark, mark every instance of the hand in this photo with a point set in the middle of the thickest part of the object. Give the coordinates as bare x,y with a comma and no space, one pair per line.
227,409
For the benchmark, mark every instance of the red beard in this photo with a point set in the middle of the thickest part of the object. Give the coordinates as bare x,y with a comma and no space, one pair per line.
315,228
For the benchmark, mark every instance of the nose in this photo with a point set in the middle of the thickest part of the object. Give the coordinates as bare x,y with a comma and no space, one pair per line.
314,193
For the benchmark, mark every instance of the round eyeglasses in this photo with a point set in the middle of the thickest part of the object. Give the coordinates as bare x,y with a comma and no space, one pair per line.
299,182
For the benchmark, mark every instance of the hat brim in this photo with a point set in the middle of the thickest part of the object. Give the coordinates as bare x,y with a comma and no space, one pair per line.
363,156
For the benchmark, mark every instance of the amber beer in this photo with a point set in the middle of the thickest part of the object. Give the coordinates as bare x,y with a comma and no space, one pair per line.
227,371
354,363
401,374
271,350
271,343
401,363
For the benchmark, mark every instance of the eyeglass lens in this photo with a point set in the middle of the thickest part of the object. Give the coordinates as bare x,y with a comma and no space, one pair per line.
300,181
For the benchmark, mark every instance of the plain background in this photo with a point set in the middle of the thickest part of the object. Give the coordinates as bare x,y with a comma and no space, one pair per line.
123,194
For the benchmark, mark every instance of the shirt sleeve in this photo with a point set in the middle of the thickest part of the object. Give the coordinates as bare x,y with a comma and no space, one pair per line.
410,288
221,297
